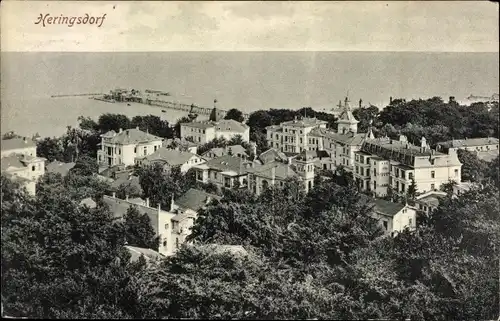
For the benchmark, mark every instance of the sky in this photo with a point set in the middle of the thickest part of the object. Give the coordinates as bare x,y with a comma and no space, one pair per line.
435,26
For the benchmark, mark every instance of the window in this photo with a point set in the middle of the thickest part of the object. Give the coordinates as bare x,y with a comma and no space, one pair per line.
433,187
456,172
135,149
156,147
367,172
357,169
402,187
199,175
385,224
166,226
433,174
432,162
374,172
177,242
145,150
165,243
410,222
410,175
33,168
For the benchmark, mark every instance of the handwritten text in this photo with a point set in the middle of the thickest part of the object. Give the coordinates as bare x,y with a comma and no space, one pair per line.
47,19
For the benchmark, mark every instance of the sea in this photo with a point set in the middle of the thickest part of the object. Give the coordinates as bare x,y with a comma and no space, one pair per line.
248,81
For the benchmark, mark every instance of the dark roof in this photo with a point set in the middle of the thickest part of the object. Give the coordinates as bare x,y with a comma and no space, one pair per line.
59,167
281,170
272,155
347,138
228,163
387,208
17,143
312,154
170,156
231,125
18,161
195,199
199,124
131,136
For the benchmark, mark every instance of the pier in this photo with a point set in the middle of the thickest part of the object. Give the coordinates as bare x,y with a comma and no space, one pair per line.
76,95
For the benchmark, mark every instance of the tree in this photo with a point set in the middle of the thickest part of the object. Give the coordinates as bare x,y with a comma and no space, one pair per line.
61,259
138,230
154,125
128,189
473,169
50,148
412,190
235,114
114,122
85,166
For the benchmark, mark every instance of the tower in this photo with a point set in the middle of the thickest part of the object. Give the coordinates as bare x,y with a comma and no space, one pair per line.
305,168
347,122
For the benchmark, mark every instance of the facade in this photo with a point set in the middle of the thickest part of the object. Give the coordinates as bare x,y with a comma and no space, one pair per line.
20,163
384,163
293,136
394,217
169,158
206,131
186,208
270,174
124,147
485,148
429,201
225,171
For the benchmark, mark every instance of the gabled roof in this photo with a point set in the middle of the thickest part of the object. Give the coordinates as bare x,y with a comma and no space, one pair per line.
18,161
228,163
281,170
272,155
231,125
350,138
59,167
170,156
17,143
131,136
387,208
195,199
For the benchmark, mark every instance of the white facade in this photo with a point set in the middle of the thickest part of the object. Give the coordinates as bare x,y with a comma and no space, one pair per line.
204,132
292,136
384,163
124,147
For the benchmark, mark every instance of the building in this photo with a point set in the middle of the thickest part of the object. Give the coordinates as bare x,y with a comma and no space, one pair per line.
186,208
202,132
292,136
89,202
269,174
234,150
181,144
342,144
57,167
169,158
272,155
20,163
385,163
148,254
394,217
225,171
161,220
124,147
23,146
429,201
485,148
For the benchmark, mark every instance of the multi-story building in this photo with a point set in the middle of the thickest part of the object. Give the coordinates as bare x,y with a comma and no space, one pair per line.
394,217
293,136
169,158
384,163
342,144
275,173
124,147
20,163
204,131
485,148
225,171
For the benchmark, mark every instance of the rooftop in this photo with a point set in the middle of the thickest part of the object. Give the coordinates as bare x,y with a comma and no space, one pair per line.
231,125
137,252
272,155
88,202
199,124
18,161
130,136
228,163
59,167
170,156
304,122
17,143
281,170
468,142
386,207
348,138
195,199
431,198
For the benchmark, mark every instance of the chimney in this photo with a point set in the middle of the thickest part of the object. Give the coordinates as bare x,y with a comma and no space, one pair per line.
114,195
172,204
390,100
25,140
289,160
360,103
147,201
273,174
120,130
